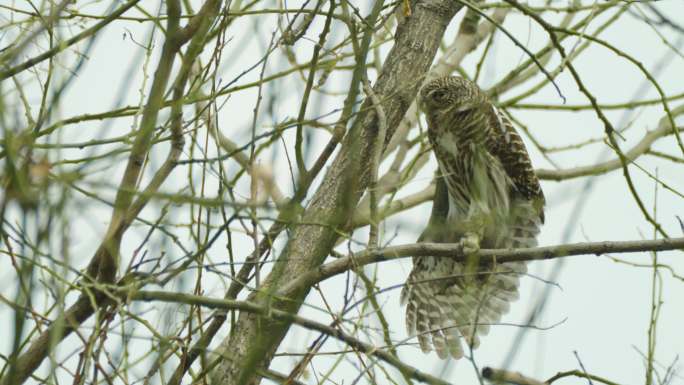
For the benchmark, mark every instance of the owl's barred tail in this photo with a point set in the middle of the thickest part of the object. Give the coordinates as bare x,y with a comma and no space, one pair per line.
441,312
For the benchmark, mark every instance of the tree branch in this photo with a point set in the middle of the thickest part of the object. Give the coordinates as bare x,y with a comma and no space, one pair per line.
90,32
103,266
579,374
454,250
270,313
500,376
639,149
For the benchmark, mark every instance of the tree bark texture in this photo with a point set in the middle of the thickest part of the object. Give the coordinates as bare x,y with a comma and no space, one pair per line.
255,338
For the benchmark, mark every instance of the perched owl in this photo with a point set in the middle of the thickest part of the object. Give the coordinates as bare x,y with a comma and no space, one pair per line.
487,196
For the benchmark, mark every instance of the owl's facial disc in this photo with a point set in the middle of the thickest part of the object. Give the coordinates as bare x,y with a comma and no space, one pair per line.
449,94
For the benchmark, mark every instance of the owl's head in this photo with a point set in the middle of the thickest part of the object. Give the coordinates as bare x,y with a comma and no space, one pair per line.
450,93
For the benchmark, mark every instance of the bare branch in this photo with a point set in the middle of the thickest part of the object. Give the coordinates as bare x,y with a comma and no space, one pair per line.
275,314
498,376
454,250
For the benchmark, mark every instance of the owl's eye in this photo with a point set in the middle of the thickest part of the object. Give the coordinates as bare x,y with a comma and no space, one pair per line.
439,96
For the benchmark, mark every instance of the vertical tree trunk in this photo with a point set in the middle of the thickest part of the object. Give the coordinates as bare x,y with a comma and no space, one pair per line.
255,339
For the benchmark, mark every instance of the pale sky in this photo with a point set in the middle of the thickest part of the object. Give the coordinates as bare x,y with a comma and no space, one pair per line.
600,307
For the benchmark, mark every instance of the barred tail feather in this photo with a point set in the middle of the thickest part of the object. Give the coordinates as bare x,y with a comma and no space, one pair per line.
441,312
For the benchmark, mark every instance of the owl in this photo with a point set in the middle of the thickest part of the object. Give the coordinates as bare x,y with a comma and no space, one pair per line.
487,196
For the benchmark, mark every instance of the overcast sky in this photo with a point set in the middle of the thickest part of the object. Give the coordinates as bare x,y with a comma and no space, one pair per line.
598,308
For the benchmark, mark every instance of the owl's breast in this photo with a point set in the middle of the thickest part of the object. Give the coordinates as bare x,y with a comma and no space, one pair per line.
478,190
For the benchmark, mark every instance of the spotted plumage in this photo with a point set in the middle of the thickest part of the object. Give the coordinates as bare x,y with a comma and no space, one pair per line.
487,196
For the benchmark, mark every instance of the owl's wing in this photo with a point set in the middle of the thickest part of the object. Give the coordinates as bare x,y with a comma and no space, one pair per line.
527,199
508,147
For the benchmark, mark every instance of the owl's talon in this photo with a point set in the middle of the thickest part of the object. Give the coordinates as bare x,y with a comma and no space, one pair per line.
470,244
